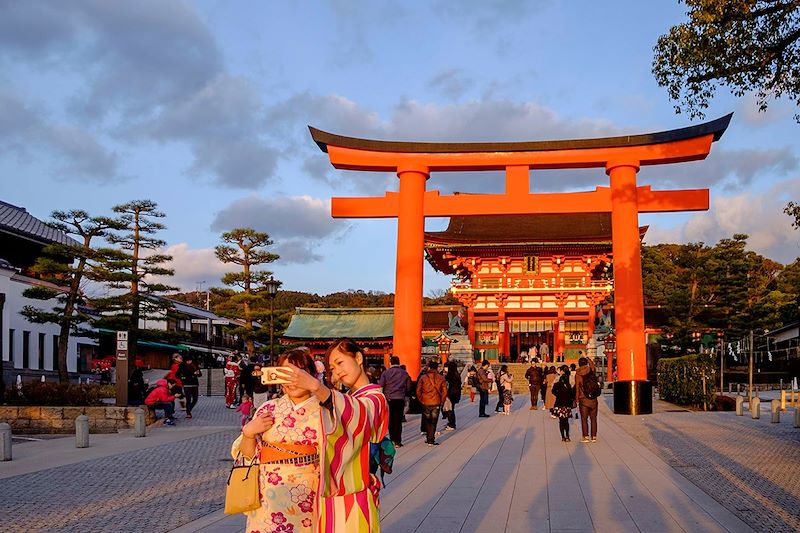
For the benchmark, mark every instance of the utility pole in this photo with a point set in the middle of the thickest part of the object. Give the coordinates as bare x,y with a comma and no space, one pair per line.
750,373
721,362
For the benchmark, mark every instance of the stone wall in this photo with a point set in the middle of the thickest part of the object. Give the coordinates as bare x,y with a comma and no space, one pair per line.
26,419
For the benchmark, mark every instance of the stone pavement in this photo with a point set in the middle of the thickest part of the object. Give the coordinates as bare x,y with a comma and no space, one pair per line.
500,474
752,467
514,474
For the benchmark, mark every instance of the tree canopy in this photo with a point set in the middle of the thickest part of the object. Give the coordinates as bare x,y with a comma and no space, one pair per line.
745,45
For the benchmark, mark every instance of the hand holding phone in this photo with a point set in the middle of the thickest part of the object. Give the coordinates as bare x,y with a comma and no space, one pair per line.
275,375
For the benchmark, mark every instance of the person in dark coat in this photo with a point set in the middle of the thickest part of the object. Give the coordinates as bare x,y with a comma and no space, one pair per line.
564,398
188,372
136,387
453,379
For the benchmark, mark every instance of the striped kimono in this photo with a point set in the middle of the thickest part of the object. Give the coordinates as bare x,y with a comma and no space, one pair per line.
348,495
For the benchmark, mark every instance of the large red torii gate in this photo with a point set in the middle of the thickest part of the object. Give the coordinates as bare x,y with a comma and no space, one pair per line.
621,157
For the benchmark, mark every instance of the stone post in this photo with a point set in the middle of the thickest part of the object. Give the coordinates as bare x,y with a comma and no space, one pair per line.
82,431
139,424
776,411
5,442
755,407
797,417
739,405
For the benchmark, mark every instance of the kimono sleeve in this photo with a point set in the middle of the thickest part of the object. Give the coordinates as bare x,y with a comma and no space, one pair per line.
348,427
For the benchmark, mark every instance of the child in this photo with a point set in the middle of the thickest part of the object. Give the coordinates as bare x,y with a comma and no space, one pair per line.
245,408
564,397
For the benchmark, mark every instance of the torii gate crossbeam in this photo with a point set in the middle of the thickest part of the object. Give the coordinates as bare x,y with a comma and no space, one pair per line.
620,157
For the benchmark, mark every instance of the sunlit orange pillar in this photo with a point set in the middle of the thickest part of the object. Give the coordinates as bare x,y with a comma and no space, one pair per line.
408,280
628,298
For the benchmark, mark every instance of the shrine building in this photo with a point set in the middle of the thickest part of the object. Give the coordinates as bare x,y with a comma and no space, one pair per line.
527,280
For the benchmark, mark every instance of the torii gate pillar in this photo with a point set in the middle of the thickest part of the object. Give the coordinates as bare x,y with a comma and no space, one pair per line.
409,272
632,387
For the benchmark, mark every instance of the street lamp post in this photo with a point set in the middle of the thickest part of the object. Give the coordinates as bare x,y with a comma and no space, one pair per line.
272,286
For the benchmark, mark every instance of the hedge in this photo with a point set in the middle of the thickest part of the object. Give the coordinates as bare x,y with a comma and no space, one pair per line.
680,379
58,394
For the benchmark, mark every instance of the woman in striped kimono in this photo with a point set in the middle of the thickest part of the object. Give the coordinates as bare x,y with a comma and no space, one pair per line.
348,494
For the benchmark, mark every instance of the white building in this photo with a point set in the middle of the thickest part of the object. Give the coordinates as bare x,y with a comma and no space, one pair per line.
29,349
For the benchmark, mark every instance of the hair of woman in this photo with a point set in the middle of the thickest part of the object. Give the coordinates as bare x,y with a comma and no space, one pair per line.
300,357
504,368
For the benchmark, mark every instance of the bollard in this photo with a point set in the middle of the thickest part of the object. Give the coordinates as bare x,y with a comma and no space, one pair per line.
776,411
797,417
755,407
139,425
739,405
82,431
5,442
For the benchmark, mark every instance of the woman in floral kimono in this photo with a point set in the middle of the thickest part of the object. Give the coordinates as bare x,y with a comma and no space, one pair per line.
348,493
284,435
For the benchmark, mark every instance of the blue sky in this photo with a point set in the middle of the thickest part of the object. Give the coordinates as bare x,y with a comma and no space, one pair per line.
203,107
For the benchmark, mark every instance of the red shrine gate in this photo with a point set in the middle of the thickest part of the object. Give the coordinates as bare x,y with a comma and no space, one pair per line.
620,157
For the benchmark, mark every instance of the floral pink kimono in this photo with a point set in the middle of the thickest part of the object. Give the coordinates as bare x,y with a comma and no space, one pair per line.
348,495
288,491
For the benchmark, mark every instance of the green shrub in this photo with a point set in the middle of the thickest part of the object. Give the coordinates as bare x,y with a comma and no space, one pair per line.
680,379
56,394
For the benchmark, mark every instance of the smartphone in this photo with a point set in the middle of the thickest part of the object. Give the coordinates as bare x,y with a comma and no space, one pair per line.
275,375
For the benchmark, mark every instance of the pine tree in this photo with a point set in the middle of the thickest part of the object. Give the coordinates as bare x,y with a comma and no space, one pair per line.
65,267
246,247
131,269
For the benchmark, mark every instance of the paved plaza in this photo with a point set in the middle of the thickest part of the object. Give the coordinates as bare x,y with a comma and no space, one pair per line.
670,471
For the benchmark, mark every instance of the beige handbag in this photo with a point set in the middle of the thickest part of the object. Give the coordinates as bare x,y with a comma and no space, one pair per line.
241,494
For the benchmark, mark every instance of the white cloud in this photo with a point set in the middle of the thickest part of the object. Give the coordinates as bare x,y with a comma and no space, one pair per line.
296,224
757,214
193,267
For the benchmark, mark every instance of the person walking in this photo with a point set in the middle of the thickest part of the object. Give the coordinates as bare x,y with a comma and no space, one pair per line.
431,392
506,381
453,380
472,382
231,373
565,398
484,382
550,399
260,390
396,383
534,376
188,372
587,390
499,384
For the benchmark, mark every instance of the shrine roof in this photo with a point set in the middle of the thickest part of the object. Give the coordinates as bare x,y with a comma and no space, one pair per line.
336,323
716,127
536,229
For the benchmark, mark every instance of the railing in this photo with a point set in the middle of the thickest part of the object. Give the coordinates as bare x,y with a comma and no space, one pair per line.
532,284
217,341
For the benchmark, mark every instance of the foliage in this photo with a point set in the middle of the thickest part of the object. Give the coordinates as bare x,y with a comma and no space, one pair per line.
680,379
246,247
64,267
746,45
133,268
58,394
724,287
793,210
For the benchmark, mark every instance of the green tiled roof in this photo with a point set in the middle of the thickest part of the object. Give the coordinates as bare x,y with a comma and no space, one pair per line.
335,323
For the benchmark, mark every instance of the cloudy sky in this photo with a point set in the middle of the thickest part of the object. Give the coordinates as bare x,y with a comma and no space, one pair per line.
203,107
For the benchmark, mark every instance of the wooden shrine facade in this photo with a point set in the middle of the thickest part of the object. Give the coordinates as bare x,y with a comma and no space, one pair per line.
527,280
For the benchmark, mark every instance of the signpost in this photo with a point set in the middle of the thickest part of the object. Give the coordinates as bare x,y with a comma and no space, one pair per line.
122,368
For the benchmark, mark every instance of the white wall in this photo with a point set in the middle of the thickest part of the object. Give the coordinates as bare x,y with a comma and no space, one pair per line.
13,285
